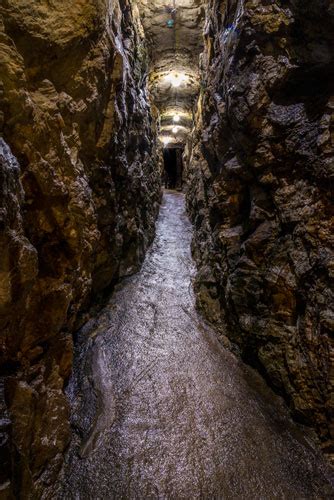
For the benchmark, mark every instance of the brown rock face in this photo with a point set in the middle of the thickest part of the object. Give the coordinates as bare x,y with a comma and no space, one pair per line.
79,193
260,166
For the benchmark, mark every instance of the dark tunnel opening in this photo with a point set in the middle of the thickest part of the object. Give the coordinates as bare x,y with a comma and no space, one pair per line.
173,168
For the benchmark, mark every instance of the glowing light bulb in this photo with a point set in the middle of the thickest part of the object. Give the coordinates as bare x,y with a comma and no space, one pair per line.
176,118
176,78
175,130
165,140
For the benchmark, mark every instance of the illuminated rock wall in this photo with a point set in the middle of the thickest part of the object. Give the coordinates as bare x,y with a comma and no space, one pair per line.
260,166
80,190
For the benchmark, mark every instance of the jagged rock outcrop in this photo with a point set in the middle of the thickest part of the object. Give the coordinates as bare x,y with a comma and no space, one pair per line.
260,167
79,193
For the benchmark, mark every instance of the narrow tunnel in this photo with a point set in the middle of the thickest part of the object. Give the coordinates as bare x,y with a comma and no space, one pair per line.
166,253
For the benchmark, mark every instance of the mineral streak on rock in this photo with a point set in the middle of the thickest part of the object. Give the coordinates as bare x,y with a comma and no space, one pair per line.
79,194
260,167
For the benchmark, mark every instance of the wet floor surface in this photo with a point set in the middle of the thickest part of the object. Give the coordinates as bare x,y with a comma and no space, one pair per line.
162,410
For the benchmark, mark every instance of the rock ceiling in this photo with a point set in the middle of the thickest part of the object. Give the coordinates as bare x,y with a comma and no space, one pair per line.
174,33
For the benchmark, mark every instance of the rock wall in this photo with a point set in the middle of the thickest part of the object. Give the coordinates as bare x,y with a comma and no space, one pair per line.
260,167
79,193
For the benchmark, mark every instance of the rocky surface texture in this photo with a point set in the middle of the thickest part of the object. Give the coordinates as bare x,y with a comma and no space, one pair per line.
79,193
260,166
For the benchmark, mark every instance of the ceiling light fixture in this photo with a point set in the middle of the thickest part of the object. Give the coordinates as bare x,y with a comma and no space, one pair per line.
175,130
165,140
176,118
176,78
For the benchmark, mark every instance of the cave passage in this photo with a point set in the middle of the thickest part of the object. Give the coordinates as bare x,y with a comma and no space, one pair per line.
162,410
115,386
173,168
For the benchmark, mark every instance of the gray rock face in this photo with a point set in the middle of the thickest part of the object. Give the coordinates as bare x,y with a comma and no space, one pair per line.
260,166
79,194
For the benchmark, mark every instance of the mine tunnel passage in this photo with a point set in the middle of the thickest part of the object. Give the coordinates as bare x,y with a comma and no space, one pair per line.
173,168
99,103
162,410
